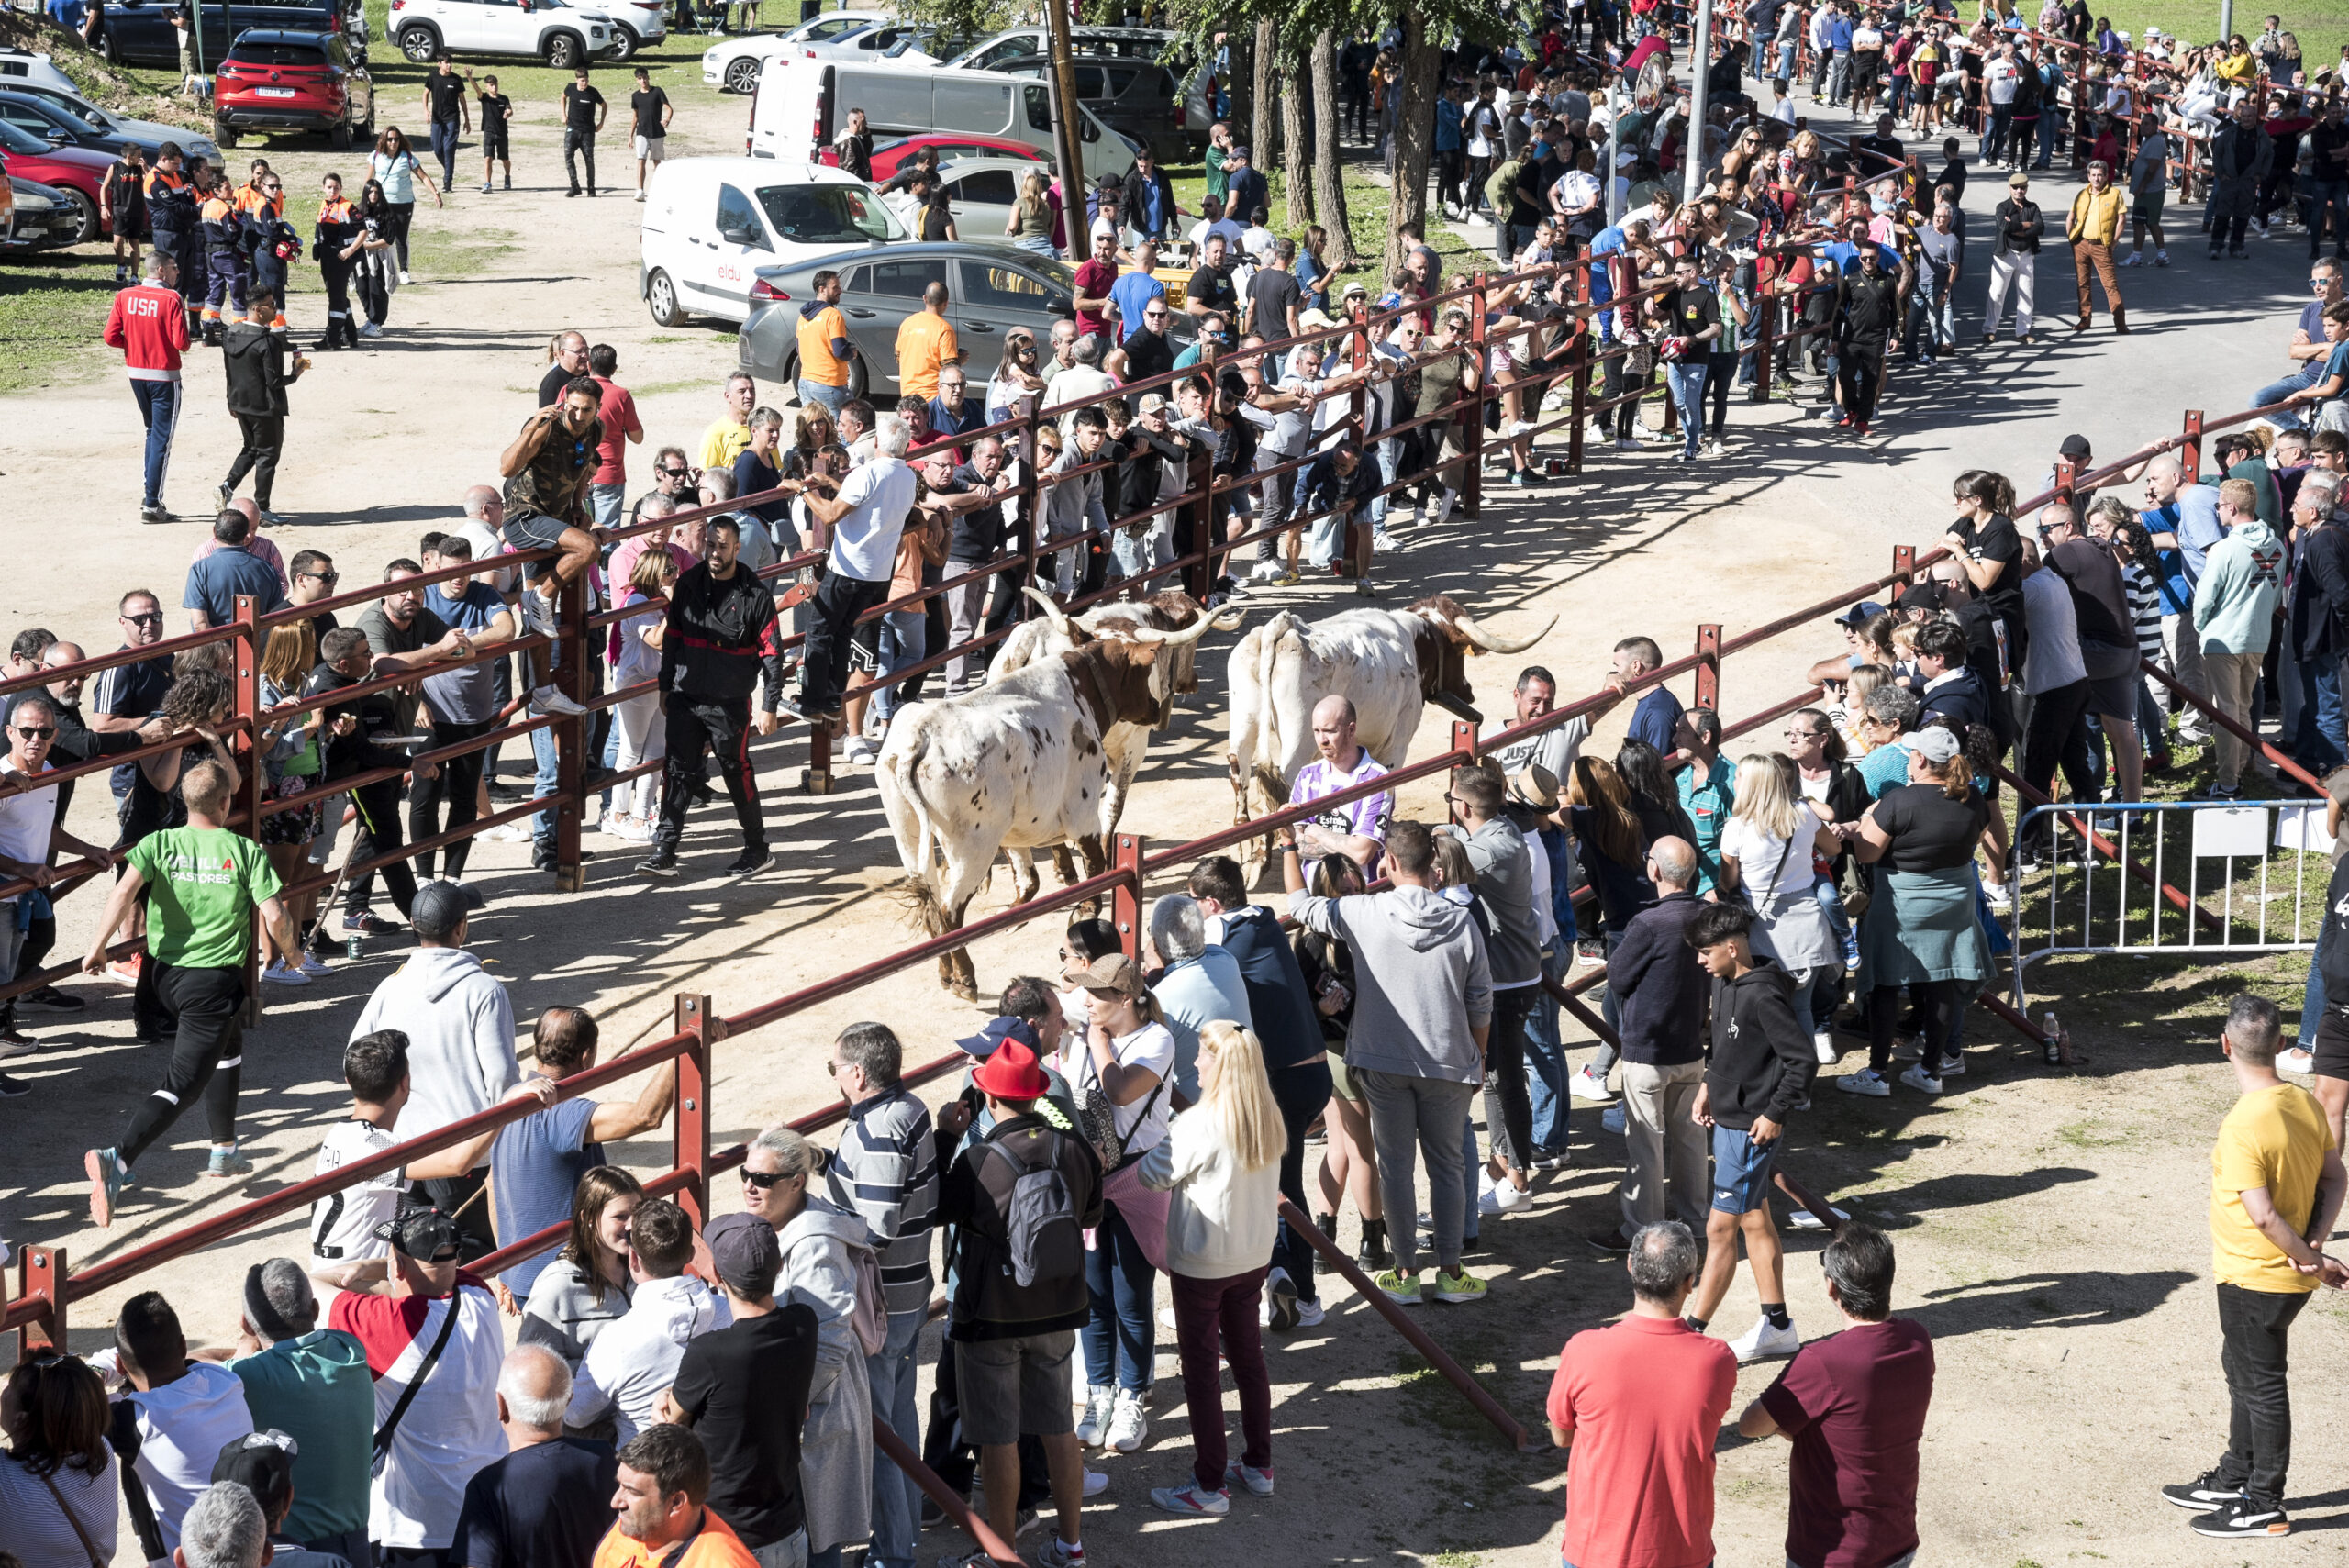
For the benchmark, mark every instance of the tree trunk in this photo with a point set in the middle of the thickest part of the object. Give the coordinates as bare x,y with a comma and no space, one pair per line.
1329,176
1240,84
1414,137
1260,129
1296,145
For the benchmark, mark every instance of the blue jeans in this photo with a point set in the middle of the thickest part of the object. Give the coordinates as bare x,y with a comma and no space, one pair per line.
603,503
2047,137
2318,743
2312,994
158,409
1937,315
444,147
2277,391
542,751
833,398
1688,396
1611,1007
903,637
1120,1337
1831,900
2323,196
1545,1057
896,1501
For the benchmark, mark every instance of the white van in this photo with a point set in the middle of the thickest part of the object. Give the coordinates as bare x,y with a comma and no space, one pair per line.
710,223
803,104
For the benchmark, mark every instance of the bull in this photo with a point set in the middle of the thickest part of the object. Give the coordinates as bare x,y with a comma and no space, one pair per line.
1017,764
1391,663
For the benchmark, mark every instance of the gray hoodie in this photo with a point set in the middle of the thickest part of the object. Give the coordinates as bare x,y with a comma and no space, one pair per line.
1504,864
1421,978
460,1029
816,1259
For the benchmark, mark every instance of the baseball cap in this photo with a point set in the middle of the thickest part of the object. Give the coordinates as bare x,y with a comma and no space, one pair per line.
439,907
2074,446
746,1252
422,1232
1354,289
262,1463
1111,971
1314,320
1152,402
1923,596
1933,743
1865,610
1011,1074
983,1043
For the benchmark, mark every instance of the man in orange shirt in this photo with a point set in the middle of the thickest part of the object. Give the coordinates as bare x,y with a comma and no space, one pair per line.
824,350
664,1477
925,342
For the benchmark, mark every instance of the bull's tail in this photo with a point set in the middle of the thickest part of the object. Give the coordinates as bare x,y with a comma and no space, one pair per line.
897,775
922,907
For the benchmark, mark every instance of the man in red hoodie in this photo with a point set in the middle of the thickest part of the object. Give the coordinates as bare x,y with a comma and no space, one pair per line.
150,328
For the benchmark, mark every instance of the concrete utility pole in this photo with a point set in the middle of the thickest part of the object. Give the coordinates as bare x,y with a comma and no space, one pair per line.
1066,117
1700,48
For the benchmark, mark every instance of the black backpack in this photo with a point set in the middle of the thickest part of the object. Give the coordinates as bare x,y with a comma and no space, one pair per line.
1043,1239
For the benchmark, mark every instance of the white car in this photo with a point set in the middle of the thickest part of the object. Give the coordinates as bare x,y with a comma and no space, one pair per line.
23,68
711,223
882,40
733,66
635,23
562,37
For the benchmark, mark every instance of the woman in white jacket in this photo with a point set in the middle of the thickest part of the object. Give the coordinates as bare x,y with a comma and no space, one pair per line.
1220,1165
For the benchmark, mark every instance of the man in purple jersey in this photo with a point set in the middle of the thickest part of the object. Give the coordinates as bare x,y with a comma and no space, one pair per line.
1356,828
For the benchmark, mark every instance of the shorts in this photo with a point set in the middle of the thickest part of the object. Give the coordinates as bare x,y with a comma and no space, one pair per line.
2148,207
1740,1171
651,147
525,529
2114,696
494,146
2330,1046
1012,1388
1341,1082
864,646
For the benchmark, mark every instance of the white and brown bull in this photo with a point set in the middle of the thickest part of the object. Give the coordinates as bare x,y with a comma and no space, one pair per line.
1126,743
1391,663
1018,763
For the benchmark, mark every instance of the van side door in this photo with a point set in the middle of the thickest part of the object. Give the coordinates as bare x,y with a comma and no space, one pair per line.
739,239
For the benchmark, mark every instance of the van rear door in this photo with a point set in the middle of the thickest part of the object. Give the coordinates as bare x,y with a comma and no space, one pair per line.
791,113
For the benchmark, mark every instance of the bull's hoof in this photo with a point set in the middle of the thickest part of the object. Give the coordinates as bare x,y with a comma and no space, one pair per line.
966,989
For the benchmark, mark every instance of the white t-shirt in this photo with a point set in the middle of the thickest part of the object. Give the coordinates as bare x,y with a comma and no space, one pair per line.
1998,77
864,542
182,1427
489,546
1143,1123
27,820
451,1429
343,1224
1770,869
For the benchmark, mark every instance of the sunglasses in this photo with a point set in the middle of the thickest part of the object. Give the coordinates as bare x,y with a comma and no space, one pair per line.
761,1179
314,576
153,618
677,473
36,731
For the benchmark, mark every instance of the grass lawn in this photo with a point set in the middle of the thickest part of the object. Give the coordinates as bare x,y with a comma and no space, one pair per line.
2320,33
52,310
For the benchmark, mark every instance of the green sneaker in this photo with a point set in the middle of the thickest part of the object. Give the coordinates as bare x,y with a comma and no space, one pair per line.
1462,1287
226,1164
108,1175
1396,1286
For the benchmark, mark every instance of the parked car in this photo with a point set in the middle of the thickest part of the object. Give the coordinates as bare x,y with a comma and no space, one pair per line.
873,42
139,32
887,156
635,23
980,191
1152,44
274,81
74,170
732,65
42,218
562,37
802,104
69,122
1136,96
992,286
19,67
710,223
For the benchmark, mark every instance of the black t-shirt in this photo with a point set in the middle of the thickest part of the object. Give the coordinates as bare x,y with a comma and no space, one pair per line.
1871,305
2099,599
547,1506
936,214
647,106
1211,286
752,474
445,93
496,110
974,536
1148,354
580,106
1692,311
1928,831
1883,152
130,691
1952,175
550,385
1996,541
746,1389
1274,293
2324,140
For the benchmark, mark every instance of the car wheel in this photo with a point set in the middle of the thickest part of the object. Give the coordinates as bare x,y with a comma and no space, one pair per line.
743,76
223,133
421,45
562,51
625,43
106,52
339,135
661,294
858,382
88,210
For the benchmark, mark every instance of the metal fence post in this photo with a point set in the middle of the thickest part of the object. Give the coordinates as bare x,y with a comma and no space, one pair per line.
691,1150
1904,562
40,1275
2066,472
1125,904
1709,668
2190,456
569,734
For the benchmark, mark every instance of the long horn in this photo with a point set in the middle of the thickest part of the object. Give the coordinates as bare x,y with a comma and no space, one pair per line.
1193,632
1491,644
1058,616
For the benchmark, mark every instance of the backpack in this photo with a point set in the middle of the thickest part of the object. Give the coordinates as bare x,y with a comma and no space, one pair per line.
1043,1239
870,1316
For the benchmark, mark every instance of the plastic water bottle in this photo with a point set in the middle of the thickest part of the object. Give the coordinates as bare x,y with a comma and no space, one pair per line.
2050,1045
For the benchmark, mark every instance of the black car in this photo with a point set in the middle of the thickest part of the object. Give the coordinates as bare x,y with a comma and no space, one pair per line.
46,119
139,32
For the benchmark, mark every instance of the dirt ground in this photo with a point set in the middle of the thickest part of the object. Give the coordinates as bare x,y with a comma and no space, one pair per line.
2051,1225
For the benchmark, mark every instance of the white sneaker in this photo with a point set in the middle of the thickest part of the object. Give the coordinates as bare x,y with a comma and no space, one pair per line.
2161,258
1803,1219
1128,1425
1822,1045
617,825
860,752
1504,1197
404,277
1095,1419
1096,1482
1519,428
2001,901
1923,1081
1259,1483
1585,1084
546,700
283,975
508,833
1625,444
2295,1060
1866,1081
1309,1314
1716,447
1763,1342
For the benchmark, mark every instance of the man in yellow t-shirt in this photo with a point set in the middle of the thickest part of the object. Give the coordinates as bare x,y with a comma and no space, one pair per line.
2097,212
925,342
2276,1188
728,435
824,350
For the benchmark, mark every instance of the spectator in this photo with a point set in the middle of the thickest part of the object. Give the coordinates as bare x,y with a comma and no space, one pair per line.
1853,1407
1638,1405
885,1173
1503,864
1758,1075
1656,718
663,1480
1197,983
543,1505
588,1286
170,1416
1774,839
225,1529
1706,789
538,1163
1218,1164
461,704
2056,689
1356,828
262,1463
633,1359
1019,1295
926,344
1612,846
2276,1188
1418,1046
1119,1070
312,1384
865,515
2234,617
57,1480
459,1028
447,1425
1658,987
2108,639
824,1248
743,1389
214,581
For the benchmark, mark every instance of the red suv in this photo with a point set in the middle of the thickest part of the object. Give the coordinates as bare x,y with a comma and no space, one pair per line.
276,81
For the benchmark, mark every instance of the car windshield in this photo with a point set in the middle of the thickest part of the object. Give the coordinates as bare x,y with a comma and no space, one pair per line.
13,140
828,215
277,54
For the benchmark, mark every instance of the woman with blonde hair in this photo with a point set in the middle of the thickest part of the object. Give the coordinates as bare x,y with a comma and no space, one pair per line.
1034,214
1219,1163
642,736
1768,851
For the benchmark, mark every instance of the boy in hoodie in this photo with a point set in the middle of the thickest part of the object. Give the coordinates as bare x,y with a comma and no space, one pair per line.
254,357
170,1420
629,1364
460,1029
2235,615
1422,1015
1757,1073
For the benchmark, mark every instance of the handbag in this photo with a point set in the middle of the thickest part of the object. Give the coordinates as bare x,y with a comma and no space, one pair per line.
1142,1208
84,1535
